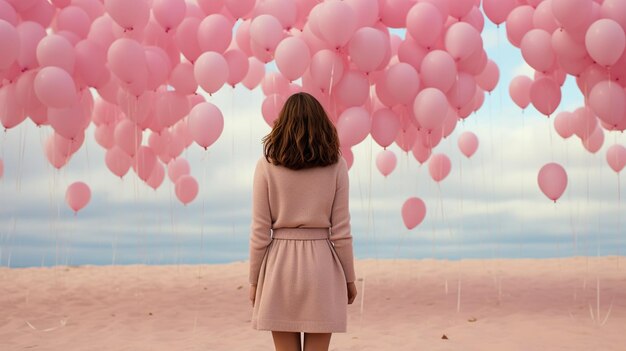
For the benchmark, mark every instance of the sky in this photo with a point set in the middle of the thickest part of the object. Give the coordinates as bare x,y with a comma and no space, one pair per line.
488,207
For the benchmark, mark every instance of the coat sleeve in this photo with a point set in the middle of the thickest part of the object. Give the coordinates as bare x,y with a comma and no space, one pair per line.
341,236
260,236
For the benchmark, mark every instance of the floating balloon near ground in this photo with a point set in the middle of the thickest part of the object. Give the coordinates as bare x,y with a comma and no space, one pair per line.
77,196
413,212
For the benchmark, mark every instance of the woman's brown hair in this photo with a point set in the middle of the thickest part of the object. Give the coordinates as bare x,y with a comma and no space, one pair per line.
303,136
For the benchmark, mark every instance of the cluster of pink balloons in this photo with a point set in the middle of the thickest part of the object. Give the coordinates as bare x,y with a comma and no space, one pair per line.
582,38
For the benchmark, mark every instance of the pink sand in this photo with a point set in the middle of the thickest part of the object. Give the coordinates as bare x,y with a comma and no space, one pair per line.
504,304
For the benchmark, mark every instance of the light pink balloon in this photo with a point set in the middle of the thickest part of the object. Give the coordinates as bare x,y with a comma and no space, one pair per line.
68,121
385,127
337,22
54,157
519,90
275,83
566,46
270,109
545,95
127,60
421,152
292,57
386,162
361,48
615,156
571,13
266,31
77,196
157,176
353,126
498,10
30,34
214,33
462,40
463,91
608,101
117,161
488,78
169,13
211,6
159,67
256,71
593,143
211,71
73,19
206,124
178,168
170,108
353,89
238,66
615,10
564,124
585,122
130,15
605,41
285,11
90,63
460,8
54,87
552,180
468,143
186,189
239,8
412,53
518,23
187,38
8,13
430,108
543,18
144,162
439,167
413,212
127,136
11,113
537,50
424,23
182,79
402,82
366,11
104,135
10,43
438,70
326,69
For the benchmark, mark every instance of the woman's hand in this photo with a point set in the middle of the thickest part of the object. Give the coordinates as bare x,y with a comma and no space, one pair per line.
252,293
351,292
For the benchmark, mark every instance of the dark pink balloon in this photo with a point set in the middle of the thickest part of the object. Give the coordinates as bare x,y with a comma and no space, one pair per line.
498,10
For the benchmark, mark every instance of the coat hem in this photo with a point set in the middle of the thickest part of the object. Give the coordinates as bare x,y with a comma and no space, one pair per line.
298,326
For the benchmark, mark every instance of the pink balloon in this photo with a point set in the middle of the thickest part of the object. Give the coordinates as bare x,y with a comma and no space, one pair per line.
518,23
271,107
571,13
206,124
187,38
130,15
552,180
412,53
594,141
256,71
488,78
326,69
266,31
117,161
537,50
353,89
424,23
385,127
10,43
615,10
41,12
563,124
239,8
11,113
30,34
214,33
7,13
360,48
292,57
615,156
90,63
430,108
585,122
366,11
55,87
608,102
462,40
182,79
157,176
144,162
337,22
285,11
519,89
211,71
211,6
178,168
438,70
386,162
159,67
543,18
238,66
75,20
353,126
170,108
275,83
69,121
127,136
127,60
169,13
460,8
498,10
413,212
421,152
468,143
186,189
545,95
462,91
104,135
54,156
77,196
605,41
439,167
402,82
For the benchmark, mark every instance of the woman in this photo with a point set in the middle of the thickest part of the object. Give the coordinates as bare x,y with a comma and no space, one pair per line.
301,259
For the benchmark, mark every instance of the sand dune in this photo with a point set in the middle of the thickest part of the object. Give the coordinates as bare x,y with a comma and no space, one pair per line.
504,304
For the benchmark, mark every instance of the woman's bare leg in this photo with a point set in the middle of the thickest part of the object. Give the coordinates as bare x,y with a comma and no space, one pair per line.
316,341
286,341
